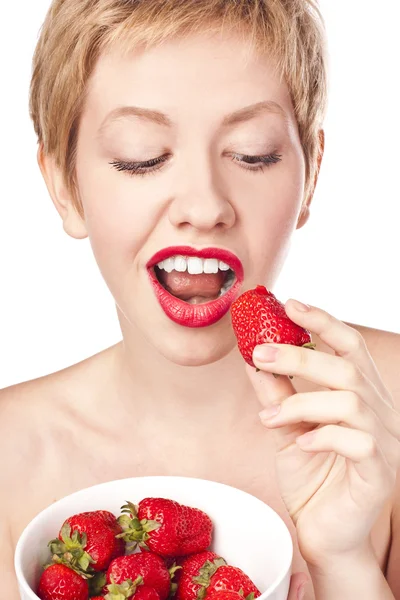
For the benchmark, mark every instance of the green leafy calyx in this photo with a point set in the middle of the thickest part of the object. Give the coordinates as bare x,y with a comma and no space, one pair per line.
120,591
206,572
135,532
70,551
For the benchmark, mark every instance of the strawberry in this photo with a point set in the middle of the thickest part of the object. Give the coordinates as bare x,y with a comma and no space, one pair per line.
145,569
88,541
166,527
192,566
228,595
59,582
258,317
206,573
144,592
226,578
131,589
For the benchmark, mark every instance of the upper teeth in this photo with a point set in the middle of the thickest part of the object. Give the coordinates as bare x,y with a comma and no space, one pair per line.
193,265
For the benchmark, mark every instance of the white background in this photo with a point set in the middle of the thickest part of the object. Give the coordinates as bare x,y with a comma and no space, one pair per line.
55,309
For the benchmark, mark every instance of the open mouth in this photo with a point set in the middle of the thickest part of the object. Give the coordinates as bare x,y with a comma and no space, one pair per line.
196,287
183,277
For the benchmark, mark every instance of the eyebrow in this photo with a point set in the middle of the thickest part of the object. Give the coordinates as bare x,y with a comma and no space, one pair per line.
154,116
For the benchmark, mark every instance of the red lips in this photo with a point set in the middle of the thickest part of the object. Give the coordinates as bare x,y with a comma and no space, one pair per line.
196,315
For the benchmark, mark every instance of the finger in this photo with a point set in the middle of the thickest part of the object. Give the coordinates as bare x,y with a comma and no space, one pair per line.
345,340
333,407
329,371
269,391
297,588
359,447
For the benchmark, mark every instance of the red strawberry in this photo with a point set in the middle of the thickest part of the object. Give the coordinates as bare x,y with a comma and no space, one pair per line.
88,541
258,317
59,582
166,527
127,590
228,595
192,567
149,567
227,578
144,592
206,573
131,589
108,517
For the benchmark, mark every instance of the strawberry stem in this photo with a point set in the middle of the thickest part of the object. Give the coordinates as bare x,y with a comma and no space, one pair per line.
173,570
70,551
135,532
205,573
126,589
310,345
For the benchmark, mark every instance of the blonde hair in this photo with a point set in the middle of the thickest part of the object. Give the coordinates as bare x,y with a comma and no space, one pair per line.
76,32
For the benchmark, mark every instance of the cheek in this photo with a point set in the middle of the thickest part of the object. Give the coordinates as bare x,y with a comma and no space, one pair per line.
118,214
273,214
276,205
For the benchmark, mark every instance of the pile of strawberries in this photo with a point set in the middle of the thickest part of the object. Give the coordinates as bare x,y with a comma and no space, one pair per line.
95,556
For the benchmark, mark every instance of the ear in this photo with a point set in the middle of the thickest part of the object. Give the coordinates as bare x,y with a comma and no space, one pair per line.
305,209
73,223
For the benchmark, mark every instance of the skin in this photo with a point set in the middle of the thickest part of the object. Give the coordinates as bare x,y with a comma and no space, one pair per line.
202,196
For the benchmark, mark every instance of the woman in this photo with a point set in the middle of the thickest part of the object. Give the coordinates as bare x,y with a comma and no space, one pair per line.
176,127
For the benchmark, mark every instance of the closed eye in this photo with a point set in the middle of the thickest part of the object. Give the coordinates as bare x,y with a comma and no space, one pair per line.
249,162
265,160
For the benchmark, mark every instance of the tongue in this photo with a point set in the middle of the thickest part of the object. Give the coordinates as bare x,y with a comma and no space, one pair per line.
186,286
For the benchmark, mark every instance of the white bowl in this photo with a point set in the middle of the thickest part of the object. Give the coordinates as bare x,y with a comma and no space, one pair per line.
247,532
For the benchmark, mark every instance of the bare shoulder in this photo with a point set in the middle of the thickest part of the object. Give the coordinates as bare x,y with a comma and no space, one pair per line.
29,399
21,447
25,419
384,347
34,414
20,408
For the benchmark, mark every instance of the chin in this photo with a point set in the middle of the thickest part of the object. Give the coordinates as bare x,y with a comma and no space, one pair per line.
196,350
183,346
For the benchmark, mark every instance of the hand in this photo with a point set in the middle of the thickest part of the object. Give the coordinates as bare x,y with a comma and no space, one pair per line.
297,586
336,479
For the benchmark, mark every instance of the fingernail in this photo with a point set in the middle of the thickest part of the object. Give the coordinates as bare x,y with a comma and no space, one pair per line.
301,592
269,412
265,353
300,306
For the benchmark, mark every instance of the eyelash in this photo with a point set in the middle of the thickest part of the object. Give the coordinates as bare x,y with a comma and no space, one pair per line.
155,164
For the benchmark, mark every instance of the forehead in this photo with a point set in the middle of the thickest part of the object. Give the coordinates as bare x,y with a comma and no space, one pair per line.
212,75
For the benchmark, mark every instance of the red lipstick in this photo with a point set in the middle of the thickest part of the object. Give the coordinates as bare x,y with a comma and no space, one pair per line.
196,315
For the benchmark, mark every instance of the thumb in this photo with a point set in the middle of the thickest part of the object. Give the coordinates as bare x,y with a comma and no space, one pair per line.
274,390
298,585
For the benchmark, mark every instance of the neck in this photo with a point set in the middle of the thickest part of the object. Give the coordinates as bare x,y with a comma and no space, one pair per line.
220,390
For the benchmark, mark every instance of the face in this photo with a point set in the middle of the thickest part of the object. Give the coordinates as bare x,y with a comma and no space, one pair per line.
201,190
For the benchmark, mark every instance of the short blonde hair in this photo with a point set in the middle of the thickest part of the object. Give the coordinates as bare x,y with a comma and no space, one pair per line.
76,32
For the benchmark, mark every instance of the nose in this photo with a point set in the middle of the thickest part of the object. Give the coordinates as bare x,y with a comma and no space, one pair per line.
201,198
